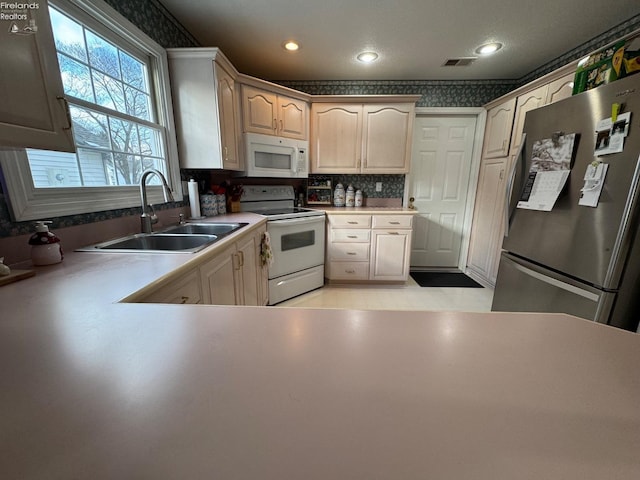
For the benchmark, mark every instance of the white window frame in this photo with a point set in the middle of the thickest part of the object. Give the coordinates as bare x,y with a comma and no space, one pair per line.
29,203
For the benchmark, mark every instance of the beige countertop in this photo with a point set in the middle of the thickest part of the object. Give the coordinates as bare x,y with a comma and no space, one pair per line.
93,388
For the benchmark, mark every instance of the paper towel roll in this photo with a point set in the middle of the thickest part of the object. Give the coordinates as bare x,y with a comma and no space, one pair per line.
194,199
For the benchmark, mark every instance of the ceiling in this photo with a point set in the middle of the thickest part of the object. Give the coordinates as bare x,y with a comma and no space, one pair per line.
413,38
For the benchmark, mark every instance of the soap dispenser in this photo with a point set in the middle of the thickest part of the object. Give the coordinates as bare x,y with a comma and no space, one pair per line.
45,245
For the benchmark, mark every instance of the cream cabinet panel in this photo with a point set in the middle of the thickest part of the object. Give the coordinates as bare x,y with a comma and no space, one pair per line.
351,271
525,103
336,138
205,108
185,289
33,112
219,278
227,99
390,252
498,129
271,114
560,89
387,133
248,250
350,221
486,230
361,138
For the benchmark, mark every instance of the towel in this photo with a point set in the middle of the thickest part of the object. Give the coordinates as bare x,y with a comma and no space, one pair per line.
266,255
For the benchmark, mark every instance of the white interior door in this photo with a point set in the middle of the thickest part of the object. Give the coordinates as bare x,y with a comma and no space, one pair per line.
439,181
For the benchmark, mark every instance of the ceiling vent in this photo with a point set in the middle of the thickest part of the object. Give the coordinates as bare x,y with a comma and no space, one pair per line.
459,62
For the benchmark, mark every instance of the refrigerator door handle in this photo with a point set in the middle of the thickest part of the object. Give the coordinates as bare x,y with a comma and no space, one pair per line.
509,192
557,283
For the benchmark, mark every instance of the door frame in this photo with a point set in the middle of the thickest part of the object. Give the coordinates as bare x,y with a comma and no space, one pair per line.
481,116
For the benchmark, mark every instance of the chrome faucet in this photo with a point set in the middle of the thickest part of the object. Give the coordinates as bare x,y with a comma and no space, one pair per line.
146,220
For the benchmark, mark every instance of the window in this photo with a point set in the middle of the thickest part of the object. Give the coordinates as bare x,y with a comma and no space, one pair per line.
115,80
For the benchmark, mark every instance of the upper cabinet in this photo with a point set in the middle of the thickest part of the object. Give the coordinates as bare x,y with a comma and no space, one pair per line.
206,108
33,111
362,137
272,114
498,129
560,88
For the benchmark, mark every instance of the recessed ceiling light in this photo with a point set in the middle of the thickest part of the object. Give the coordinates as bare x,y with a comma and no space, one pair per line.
367,57
488,48
291,46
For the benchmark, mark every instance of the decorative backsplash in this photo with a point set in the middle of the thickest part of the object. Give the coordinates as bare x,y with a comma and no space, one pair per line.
392,185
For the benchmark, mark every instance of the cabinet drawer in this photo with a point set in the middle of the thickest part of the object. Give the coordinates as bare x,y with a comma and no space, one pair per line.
185,289
392,221
352,252
348,235
348,271
350,221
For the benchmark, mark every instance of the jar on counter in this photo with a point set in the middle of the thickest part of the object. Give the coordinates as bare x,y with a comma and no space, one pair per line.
350,197
338,196
358,198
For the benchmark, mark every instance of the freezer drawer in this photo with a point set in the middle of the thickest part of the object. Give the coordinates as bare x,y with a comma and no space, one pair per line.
525,287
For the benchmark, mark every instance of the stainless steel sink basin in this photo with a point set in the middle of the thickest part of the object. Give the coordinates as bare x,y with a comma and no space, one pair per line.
218,229
186,238
156,242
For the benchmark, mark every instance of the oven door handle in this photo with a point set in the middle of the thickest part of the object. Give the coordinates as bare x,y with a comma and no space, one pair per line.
297,221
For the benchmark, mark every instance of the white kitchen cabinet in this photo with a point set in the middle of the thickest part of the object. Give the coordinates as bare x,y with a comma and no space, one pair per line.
498,129
368,248
235,276
185,289
272,114
486,232
525,103
361,137
560,88
33,111
205,108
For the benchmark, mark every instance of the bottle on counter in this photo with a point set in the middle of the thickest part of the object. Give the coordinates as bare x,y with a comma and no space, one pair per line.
350,197
45,245
358,198
338,196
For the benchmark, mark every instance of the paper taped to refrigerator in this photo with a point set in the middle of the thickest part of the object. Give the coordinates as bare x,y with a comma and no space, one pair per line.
550,167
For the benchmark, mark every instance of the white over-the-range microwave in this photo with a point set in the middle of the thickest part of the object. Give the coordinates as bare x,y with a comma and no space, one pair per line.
269,156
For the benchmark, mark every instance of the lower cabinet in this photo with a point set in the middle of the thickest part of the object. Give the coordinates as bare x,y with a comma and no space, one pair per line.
233,276
364,248
185,289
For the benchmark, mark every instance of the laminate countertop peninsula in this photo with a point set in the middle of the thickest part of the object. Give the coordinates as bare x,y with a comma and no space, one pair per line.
94,388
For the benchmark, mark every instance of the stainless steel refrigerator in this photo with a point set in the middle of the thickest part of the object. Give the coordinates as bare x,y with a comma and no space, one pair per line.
578,259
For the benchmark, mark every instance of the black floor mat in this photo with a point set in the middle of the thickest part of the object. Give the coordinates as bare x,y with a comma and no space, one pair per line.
444,279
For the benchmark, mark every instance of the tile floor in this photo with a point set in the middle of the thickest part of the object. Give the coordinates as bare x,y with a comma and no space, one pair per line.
395,297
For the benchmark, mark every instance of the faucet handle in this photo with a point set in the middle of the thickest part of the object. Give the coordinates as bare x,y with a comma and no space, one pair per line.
153,216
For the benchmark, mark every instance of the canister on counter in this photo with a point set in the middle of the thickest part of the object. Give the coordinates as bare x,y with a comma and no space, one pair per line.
350,197
338,196
358,199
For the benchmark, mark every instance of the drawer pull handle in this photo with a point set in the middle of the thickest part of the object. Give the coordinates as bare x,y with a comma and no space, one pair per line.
350,271
184,299
352,223
394,223
352,236
393,233
351,253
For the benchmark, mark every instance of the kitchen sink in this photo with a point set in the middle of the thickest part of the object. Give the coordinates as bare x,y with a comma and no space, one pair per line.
218,229
185,238
155,242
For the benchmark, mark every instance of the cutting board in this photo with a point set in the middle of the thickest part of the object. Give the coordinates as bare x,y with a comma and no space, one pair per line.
15,276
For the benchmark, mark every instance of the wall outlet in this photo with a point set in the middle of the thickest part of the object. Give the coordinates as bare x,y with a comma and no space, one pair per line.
378,186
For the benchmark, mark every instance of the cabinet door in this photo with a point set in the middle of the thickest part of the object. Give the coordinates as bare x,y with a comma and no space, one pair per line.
185,289
336,138
560,89
498,130
33,112
486,230
259,110
218,277
250,278
292,118
387,131
390,252
525,103
228,120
